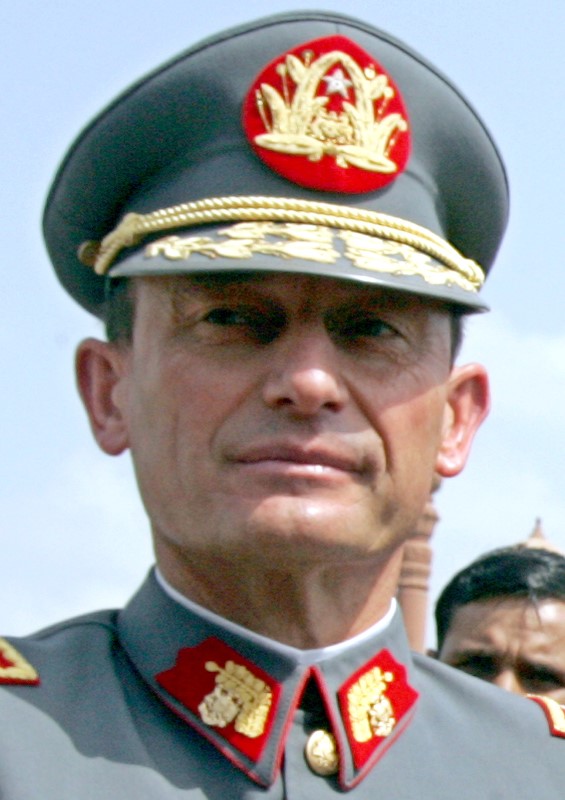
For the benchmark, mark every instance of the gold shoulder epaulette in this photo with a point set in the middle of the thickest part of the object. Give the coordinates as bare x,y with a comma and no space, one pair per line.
554,712
14,668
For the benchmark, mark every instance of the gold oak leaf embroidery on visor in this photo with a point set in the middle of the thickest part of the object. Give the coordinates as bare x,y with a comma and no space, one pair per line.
238,697
310,243
393,258
288,228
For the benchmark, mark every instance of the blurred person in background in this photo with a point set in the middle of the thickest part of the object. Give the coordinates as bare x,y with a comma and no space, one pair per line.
502,619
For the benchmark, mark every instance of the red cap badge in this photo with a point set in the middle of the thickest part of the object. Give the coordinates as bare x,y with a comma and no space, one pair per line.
326,116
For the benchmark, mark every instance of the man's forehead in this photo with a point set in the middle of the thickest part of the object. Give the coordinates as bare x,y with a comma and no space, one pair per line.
520,613
281,285
516,627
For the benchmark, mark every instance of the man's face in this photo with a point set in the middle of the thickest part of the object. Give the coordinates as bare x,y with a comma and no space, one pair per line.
283,417
512,643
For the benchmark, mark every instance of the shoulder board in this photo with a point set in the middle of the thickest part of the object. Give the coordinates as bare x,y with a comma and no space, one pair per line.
14,669
554,713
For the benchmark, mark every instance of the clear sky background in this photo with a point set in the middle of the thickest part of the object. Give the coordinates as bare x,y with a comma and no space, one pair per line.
73,535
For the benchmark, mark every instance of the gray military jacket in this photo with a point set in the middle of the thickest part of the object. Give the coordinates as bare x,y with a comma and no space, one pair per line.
154,702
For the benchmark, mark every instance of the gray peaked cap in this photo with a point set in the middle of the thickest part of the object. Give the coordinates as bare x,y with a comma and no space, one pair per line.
305,142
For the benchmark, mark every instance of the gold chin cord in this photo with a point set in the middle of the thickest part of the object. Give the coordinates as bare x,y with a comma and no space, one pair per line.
134,228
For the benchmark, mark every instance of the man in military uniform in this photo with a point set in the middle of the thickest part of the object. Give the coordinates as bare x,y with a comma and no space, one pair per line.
282,228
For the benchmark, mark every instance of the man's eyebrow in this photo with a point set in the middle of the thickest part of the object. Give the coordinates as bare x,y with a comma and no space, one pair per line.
214,285
471,653
545,669
541,666
221,280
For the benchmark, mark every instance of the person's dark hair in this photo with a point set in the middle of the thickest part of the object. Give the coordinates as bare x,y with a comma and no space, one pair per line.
457,319
119,315
119,311
519,571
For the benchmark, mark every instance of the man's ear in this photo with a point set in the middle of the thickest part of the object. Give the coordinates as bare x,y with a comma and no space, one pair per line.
467,405
100,378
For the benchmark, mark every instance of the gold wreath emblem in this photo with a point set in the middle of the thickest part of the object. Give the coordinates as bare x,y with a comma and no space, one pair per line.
361,134
370,710
238,697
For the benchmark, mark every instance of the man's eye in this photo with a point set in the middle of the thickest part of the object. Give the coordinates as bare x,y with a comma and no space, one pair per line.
371,327
361,327
479,666
251,323
541,679
226,316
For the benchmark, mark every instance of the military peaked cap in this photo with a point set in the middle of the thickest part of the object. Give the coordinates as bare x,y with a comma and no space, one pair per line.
307,142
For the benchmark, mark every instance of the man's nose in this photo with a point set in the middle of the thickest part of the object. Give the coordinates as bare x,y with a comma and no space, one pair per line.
509,680
304,374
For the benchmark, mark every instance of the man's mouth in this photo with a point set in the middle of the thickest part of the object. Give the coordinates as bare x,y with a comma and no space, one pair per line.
314,461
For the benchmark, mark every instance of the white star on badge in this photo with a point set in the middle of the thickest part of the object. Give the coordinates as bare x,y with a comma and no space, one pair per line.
337,83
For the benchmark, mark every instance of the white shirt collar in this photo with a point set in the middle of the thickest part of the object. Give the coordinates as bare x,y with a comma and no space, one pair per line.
311,656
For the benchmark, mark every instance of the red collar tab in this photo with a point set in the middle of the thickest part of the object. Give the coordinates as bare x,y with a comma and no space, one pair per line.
327,116
555,713
226,692
14,669
374,702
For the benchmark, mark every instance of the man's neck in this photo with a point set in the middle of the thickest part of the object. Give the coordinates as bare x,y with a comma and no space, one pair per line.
298,655
304,608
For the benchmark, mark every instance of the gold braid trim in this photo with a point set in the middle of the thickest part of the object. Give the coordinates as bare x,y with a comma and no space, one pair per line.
18,669
133,228
554,712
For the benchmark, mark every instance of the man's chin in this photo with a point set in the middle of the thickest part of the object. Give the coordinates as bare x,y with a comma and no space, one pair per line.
317,530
